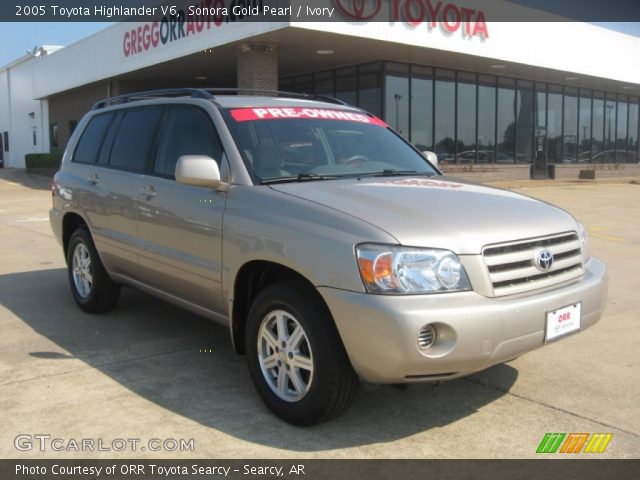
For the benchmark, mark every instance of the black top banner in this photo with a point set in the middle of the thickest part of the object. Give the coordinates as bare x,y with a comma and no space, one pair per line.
413,11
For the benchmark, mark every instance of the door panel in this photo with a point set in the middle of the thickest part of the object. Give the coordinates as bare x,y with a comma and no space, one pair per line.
114,182
180,227
111,207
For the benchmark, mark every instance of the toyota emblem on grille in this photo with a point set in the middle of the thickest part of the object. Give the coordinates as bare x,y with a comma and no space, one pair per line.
544,260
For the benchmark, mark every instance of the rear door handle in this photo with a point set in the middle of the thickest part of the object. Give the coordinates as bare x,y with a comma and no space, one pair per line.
148,192
94,178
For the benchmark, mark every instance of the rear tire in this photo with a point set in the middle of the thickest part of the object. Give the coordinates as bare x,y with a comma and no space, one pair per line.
296,359
91,287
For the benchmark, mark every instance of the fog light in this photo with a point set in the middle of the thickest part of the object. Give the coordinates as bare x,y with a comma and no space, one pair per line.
426,337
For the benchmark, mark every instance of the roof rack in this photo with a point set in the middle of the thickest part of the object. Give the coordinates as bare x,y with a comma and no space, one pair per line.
206,93
278,93
168,92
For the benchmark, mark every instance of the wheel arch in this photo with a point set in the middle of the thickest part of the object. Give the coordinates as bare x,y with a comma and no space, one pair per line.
70,223
251,278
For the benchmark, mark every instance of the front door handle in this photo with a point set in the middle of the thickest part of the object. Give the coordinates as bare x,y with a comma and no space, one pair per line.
148,192
94,178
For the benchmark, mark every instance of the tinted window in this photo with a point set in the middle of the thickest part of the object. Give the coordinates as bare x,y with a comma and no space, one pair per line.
186,131
134,139
91,139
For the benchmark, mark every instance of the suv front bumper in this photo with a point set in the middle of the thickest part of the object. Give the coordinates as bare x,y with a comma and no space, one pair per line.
380,332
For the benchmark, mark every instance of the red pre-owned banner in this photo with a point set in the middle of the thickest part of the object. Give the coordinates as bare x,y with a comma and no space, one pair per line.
248,114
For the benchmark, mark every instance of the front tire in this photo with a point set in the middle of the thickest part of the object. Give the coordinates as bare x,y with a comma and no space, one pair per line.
296,359
92,288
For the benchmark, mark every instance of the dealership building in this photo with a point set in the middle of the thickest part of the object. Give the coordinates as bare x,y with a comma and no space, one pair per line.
495,100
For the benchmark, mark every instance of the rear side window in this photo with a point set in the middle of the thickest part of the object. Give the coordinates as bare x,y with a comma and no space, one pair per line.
91,139
134,139
186,131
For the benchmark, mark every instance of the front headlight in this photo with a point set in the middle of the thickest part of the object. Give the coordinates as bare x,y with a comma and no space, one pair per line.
584,244
402,270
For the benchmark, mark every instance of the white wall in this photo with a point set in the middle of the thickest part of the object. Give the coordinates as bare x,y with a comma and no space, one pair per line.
101,55
16,105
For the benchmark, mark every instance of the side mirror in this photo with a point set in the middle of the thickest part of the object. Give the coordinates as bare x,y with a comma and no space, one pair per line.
432,157
198,171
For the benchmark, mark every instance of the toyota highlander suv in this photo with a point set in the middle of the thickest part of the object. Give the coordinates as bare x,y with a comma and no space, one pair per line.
332,249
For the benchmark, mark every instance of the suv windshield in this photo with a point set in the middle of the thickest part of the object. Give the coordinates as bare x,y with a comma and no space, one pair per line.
289,144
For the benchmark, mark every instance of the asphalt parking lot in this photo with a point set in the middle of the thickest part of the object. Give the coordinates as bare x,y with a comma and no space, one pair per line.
151,371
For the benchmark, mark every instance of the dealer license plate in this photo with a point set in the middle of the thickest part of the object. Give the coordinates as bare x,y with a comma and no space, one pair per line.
563,321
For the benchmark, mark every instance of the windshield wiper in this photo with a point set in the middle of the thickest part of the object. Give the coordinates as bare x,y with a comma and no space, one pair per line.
301,177
390,172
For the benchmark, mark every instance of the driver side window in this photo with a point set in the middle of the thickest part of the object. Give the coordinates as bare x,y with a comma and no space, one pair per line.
186,131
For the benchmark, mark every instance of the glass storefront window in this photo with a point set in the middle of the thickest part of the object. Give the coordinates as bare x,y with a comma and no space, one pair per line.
621,135
487,120
570,140
466,124
524,119
554,124
304,83
323,83
584,127
444,103
633,132
347,85
422,113
506,122
370,89
467,117
598,128
397,104
610,128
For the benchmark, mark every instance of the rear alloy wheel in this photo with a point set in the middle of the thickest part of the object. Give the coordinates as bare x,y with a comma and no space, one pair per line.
296,358
92,288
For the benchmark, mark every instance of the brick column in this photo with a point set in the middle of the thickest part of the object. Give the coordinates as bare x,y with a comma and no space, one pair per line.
258,67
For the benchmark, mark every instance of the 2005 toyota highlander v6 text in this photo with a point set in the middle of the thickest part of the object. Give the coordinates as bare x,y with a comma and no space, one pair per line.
331,248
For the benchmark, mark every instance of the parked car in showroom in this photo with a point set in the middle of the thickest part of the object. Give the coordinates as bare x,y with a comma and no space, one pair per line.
332,248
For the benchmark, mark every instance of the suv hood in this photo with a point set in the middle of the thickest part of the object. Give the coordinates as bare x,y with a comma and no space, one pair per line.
436,212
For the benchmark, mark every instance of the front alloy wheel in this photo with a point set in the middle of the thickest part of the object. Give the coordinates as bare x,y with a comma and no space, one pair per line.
285,356
296,357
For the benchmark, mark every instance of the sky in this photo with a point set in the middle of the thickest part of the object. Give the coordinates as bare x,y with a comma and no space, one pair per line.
17,38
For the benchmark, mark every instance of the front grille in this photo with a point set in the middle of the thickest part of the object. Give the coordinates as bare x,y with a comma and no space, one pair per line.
512,266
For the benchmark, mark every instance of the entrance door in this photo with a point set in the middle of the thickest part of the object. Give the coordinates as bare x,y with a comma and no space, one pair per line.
539,161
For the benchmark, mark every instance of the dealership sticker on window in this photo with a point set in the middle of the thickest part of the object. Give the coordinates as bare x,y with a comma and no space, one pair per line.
248,114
